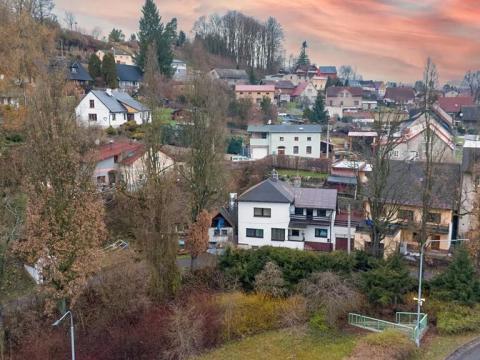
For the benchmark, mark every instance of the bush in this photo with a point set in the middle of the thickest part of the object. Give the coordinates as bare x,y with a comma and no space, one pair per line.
270,281
111,131
389,344
457,319
319,323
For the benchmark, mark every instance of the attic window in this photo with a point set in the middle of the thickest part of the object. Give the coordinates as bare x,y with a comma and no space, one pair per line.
74,70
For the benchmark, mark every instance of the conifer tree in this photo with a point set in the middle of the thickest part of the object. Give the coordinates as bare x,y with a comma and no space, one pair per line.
303,57
318,113
94,66
109,71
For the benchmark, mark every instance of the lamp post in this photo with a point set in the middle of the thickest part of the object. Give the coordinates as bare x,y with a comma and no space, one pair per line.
72,331
420,275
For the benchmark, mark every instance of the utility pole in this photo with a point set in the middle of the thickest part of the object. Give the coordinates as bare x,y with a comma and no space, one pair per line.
328,140
349,224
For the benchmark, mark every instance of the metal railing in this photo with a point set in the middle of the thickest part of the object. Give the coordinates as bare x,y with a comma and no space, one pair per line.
404,321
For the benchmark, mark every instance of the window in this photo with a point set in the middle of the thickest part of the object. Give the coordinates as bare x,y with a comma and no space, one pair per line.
295,232
241,92
434,218
355,103
281,138
92,117
278,234
224,232
216,232
255,233
264,135
405,214
309,138
341,103
295,149
321,212
309,149
395,153
259,93
321,233
298,211
262,212
92,104
115,159
296,138
113,117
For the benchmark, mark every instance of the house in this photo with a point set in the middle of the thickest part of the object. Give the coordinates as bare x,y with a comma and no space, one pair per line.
255,93
275,213
345,175
405,183
224,225
403,96
305,93
180,68
468,220
344,97
283,89
107,108
124,161
129,77
78,74
327,71
411,140
121,56
295,140
470,116
453,105
231,76
380,89
319,82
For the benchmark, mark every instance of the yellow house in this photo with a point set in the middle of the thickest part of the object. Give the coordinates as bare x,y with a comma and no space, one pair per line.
404,202
255,92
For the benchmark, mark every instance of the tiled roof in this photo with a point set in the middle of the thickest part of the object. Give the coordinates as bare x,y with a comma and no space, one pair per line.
454,104
78,72
231,74
259,88
333,91
129,72
299,89
126,99
400,94
311,198
285,128
109,101
116,148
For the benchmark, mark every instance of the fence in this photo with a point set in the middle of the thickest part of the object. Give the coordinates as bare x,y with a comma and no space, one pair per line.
404,321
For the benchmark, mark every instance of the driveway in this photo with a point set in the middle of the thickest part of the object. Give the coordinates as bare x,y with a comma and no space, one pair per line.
469,351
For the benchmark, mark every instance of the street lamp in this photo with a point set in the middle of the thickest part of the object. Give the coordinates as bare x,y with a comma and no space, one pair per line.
72,331
420,273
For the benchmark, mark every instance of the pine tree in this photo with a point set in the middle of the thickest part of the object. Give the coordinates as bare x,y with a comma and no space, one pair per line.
109,71
318,113
94,67
303,57
150,28
182,38
459,282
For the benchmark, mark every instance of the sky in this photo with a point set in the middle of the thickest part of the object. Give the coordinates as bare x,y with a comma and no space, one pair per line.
382,39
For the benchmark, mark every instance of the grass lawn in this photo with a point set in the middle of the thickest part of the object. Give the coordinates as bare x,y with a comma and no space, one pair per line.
437,347
285,344
302,173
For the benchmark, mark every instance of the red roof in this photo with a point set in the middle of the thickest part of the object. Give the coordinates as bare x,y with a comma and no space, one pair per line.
253,88
116,148
333,91
299,89
454,104
400,94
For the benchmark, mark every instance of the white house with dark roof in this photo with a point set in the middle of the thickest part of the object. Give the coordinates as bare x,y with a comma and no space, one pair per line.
113,108
129,77
275,213
296,140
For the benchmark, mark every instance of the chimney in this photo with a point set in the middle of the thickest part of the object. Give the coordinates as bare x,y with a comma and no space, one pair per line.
297,182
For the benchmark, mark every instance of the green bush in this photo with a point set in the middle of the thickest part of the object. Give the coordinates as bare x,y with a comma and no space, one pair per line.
457,319
318,323
111,131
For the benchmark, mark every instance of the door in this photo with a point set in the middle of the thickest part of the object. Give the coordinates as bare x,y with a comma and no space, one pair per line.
281,150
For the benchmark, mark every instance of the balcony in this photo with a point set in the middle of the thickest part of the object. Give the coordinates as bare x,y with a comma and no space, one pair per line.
258,142
309,219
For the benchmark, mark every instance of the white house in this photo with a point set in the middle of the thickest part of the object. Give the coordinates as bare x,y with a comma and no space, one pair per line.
107,108
296,140
275,213
120,55
124,161
180,68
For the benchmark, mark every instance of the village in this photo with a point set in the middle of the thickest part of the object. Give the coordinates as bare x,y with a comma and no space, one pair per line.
199,195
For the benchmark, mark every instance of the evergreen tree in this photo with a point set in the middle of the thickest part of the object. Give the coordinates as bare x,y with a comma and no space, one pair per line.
182,38
94,66
252,78
116,35
459,282
109,71
318,113
303,57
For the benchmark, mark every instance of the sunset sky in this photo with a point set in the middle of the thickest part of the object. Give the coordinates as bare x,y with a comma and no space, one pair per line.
383,39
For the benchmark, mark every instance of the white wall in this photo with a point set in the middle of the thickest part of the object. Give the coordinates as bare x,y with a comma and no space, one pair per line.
258,152
289,142
103,167
133,174
280,218
104,118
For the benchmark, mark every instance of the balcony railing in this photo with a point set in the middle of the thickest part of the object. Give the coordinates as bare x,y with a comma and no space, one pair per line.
309,218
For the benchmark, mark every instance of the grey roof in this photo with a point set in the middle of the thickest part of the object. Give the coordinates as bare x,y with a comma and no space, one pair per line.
471,113
334,179
269,191
231,74
315,198
280,192
404,184
110,102
129,72
285,128
114,102
124,98
77,72
328,69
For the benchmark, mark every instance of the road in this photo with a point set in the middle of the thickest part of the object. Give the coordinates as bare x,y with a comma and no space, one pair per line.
469,351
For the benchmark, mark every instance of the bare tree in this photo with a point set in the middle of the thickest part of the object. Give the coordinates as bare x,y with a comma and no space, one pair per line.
197,238
472,80
69,19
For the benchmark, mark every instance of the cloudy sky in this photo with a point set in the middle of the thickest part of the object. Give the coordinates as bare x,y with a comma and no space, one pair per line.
383,39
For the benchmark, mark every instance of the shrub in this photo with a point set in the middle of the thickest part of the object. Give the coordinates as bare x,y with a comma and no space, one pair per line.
327,292
270,281
293,311
319,323
111,131
389,344
457,319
